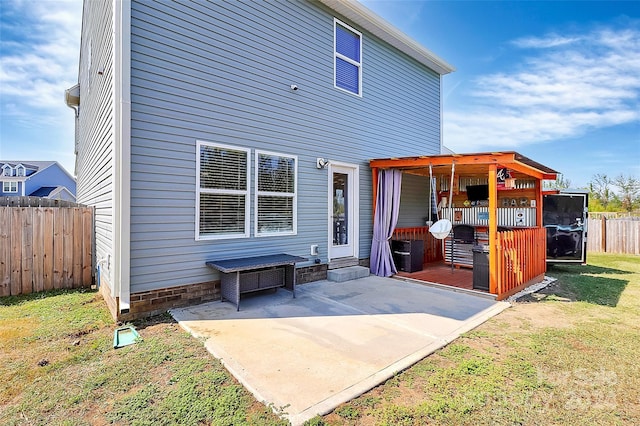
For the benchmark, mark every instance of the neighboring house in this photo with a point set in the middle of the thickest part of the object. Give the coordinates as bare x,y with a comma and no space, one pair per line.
46,179
215,130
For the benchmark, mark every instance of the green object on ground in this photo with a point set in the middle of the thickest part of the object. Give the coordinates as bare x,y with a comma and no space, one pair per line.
124,336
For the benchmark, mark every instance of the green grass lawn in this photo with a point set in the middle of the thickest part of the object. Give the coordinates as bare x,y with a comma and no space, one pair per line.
58,367
567,355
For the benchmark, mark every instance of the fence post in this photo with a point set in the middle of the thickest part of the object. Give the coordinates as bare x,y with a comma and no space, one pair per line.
603,233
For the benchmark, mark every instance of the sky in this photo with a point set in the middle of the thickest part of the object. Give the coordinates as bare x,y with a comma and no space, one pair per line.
557,81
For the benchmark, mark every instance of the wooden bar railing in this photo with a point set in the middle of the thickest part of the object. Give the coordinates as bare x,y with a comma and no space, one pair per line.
432,246
521,259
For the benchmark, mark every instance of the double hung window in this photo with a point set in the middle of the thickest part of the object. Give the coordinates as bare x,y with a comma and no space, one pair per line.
222,190
347,58
276,181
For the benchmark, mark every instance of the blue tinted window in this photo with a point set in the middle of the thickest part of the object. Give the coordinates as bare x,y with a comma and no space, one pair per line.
347,43
347,76
348,58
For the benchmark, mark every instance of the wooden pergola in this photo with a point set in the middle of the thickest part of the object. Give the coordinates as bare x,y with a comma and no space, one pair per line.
517,257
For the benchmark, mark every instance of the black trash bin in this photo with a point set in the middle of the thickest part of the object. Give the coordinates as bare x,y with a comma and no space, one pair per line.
481,267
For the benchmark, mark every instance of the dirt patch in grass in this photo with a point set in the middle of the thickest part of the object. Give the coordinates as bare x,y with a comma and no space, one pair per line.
527,315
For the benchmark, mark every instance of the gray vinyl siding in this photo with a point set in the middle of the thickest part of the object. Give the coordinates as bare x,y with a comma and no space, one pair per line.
414,201
220,72
95,137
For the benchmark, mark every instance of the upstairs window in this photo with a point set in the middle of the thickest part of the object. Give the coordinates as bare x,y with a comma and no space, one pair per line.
20,171
7,171
347,58
9,186
276,183
222,190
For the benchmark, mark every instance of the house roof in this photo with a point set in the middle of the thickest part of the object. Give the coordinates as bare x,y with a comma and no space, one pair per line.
53,192
38,166
43,191
475,163
31,165
374,24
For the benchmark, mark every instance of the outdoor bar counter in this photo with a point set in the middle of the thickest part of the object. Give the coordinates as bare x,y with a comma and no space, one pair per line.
471,228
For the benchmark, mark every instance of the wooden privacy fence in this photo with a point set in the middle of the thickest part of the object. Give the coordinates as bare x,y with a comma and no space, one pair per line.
521,259
44,248
621,235
432,246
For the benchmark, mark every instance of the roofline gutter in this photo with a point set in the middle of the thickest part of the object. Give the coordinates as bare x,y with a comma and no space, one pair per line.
72,98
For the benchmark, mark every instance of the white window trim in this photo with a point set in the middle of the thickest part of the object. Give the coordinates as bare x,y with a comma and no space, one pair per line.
6,168
351,61
246,193
355,209
276,194
10,190
23,168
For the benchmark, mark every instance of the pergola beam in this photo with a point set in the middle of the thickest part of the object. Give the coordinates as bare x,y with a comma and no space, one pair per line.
510,160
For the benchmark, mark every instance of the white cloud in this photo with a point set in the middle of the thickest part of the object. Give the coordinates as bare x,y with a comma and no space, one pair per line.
39,53
542,43
41,58
572,85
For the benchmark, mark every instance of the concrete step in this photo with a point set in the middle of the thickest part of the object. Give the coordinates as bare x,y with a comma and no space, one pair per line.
347,274
343,262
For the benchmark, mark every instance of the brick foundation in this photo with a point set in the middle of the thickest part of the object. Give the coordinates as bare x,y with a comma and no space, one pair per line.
158,301
154,302
311,273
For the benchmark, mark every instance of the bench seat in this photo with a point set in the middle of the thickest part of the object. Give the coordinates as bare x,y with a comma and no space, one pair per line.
248,274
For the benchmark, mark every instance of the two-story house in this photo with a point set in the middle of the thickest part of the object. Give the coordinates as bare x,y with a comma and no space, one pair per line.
216,130
46,179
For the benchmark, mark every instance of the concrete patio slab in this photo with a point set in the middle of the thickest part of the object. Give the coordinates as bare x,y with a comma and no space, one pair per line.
334,341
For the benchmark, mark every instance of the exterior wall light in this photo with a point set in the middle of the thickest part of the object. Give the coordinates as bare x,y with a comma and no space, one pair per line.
322,163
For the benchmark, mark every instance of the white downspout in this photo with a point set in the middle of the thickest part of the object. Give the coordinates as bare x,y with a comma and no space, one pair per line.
122,152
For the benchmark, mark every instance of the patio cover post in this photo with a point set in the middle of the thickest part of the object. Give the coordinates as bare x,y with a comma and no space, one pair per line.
374,185
539,201
493,229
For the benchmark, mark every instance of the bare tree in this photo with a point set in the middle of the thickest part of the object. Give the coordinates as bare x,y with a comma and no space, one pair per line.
629,191
600,189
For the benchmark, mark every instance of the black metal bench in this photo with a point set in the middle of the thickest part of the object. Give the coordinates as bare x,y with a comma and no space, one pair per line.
248,274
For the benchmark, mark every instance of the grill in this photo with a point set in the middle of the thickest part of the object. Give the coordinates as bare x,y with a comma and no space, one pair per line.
464,234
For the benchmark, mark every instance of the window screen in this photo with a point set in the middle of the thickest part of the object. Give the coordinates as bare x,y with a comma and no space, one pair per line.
276,194
347,56
223,191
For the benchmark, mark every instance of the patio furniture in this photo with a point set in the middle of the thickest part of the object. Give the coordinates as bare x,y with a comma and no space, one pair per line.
249,274
408,255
